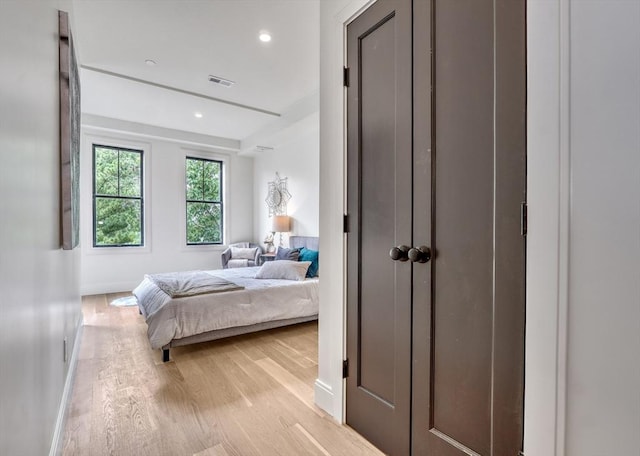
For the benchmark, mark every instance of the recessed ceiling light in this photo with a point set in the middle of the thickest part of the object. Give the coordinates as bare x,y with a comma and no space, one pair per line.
150,62
198,115
265,37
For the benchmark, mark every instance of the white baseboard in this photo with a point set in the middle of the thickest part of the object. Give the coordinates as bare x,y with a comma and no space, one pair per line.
323,396
101,288
58,433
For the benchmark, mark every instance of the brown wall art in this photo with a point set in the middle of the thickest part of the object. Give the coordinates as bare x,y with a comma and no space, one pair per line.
69,137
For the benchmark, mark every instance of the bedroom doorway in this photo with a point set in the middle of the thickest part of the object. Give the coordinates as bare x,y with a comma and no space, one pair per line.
436,188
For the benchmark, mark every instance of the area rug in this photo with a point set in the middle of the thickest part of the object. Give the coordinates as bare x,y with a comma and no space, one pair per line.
126,301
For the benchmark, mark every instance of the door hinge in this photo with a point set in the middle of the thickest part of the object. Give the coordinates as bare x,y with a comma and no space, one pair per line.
345,368
345,223
524,218
345,76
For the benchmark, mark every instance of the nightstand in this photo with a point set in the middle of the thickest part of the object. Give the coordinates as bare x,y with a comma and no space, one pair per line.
264,257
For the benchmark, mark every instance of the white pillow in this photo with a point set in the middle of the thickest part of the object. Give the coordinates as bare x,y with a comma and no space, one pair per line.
239,253
283,269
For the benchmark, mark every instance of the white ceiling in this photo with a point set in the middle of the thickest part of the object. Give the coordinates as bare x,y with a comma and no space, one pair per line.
190,40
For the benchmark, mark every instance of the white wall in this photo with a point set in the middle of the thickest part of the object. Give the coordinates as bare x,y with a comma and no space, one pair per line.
121,269
40,300
603,344
583,317
296,157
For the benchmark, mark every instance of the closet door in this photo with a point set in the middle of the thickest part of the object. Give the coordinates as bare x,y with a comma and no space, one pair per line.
469,344
436,158
379,208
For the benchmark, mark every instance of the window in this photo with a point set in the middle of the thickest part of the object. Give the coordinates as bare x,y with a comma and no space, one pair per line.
204,201
117,197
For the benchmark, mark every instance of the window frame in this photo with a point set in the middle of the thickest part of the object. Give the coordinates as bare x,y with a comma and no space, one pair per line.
221,201
95,196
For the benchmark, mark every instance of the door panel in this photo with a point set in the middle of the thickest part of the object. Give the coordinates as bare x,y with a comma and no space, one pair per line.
380,194
422,217
510,247
471,402
463,223
379,205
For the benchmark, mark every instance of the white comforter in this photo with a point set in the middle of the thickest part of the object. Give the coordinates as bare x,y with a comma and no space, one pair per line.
261,300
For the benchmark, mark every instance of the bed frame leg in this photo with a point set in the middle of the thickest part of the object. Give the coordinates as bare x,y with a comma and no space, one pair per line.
165,355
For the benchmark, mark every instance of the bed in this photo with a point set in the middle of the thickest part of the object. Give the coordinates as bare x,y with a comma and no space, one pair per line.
260,304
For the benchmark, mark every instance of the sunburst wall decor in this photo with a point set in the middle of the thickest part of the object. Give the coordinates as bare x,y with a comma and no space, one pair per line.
277,196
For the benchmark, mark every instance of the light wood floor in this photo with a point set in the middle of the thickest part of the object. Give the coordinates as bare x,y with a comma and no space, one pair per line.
247,395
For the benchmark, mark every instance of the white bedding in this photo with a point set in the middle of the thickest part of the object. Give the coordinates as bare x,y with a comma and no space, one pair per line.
261,300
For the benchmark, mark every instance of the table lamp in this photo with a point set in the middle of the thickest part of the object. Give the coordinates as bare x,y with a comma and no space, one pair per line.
281,224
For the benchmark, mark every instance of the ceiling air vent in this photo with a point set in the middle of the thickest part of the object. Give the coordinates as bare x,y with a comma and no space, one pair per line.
220,81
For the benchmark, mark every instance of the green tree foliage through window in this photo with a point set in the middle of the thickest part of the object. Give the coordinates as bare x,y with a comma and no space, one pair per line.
204,201
117,197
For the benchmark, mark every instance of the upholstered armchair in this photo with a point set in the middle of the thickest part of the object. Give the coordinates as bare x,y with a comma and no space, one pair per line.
241,254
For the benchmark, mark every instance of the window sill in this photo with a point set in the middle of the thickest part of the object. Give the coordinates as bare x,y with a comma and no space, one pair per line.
203,248
118,250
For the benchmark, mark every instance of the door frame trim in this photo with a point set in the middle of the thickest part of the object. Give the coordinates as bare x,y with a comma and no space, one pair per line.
330,387
547,239
548,194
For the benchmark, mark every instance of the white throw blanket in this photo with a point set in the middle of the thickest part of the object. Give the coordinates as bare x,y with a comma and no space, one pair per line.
191,283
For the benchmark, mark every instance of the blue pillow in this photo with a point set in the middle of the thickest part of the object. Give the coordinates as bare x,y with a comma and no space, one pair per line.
310,255
287,254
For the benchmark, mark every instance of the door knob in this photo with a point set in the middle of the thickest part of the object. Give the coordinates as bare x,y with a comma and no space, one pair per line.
421,254
400,253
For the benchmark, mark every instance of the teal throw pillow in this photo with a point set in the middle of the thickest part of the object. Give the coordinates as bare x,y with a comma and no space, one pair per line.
310,255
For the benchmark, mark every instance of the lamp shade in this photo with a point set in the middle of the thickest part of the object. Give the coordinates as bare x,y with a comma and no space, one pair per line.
281,224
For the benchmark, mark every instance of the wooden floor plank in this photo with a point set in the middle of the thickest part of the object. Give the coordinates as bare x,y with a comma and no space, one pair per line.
249,395
311,439
217,450
299,389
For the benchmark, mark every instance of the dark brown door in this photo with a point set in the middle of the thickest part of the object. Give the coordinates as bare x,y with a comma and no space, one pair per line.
380,194
466,176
